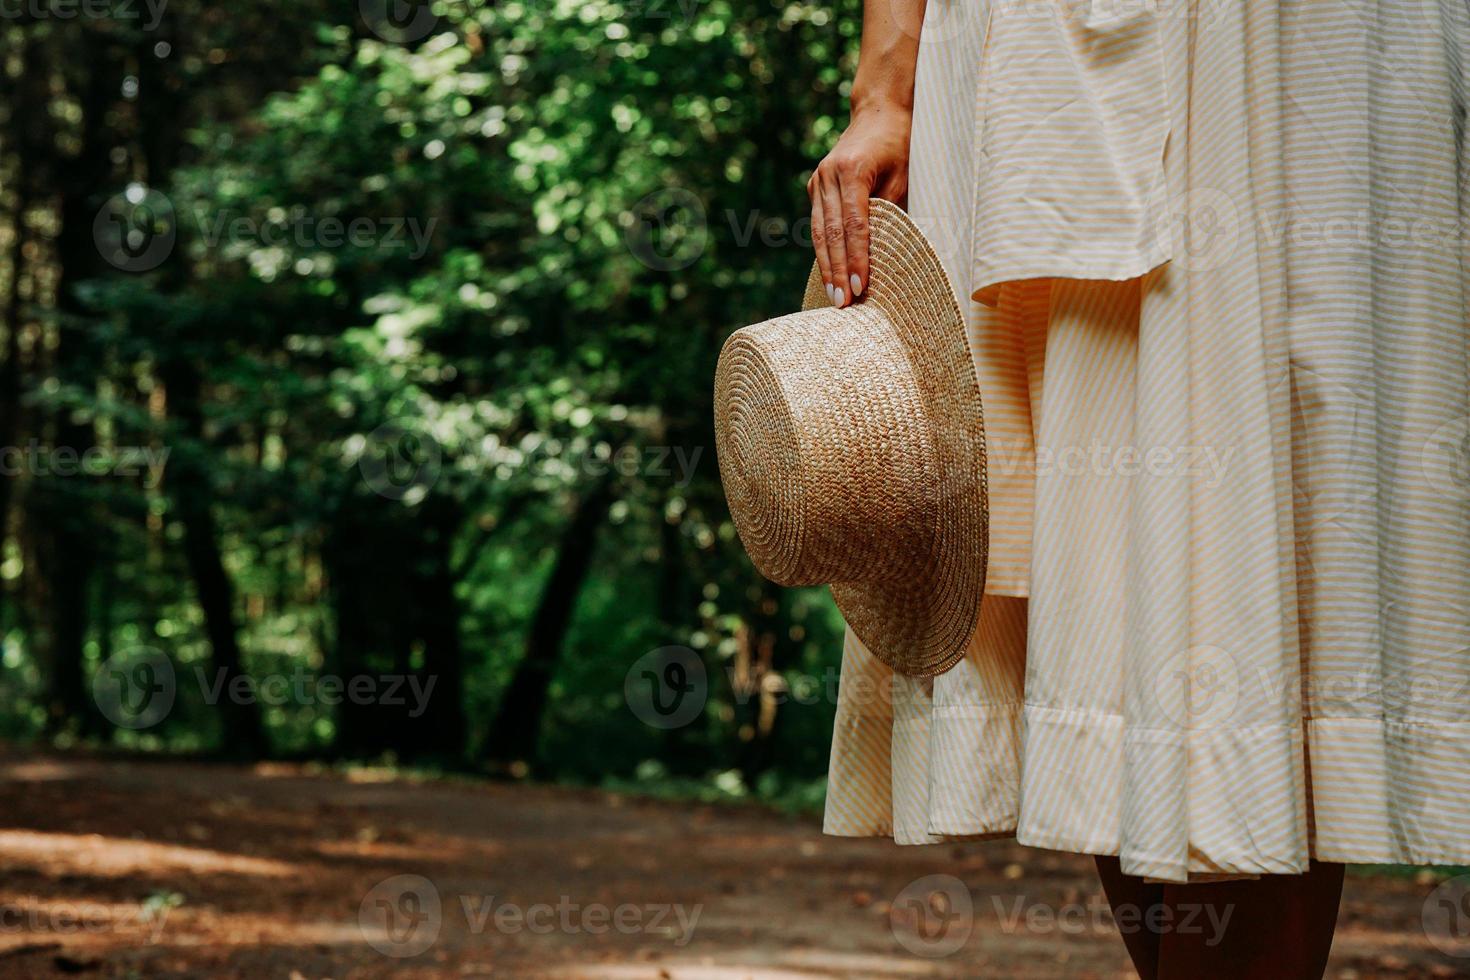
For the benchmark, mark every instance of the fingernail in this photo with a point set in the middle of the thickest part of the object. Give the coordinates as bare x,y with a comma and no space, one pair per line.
837,300
828,286
857,285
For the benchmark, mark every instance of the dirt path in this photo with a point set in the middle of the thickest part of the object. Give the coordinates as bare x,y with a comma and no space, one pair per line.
125,868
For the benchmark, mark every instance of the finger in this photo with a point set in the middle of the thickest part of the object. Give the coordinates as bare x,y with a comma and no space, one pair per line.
855,235
836,246
819,234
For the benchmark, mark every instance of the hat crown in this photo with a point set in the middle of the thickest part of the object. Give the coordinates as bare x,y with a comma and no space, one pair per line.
852,448
831,399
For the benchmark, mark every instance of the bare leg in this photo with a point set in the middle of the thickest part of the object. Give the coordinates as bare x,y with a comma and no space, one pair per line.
1131,898
1273,926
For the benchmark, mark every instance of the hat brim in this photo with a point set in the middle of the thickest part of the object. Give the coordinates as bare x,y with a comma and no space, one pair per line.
921,625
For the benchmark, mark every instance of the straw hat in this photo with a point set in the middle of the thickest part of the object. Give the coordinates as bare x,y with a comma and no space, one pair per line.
852,452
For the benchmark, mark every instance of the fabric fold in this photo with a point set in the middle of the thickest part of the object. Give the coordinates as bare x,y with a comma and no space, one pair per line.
1078,86
1218,264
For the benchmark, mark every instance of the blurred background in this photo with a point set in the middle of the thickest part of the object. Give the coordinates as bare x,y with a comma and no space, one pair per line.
365,575
378,340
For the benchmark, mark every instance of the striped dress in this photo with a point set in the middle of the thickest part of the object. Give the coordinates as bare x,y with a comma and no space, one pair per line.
1215,259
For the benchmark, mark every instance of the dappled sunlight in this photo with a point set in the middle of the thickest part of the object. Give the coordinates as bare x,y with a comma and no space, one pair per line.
26,918
436,851
79,920
116,857
823,965
764,897
353,774
44,771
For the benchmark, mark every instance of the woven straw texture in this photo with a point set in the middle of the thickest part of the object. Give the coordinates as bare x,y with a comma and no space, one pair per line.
852,452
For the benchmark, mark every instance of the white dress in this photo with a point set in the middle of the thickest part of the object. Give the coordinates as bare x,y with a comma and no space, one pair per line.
1215,258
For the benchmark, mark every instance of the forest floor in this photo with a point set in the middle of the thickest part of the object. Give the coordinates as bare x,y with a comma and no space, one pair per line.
139,868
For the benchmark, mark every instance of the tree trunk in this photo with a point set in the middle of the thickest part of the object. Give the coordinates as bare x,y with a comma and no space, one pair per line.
680,753
65,502
441,729
10,373
757,673
242,733
368,554
163,111
515,735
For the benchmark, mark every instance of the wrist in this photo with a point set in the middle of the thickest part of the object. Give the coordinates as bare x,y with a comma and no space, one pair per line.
867,102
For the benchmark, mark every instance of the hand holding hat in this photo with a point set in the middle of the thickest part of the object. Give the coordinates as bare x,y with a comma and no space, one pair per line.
852,452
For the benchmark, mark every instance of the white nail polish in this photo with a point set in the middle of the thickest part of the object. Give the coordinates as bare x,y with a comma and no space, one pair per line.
857,285
828,287
838,298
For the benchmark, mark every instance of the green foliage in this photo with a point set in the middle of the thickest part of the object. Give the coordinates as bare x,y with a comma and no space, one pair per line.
435,293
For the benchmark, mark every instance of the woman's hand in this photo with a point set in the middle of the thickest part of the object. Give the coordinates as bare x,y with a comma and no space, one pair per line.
870,160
